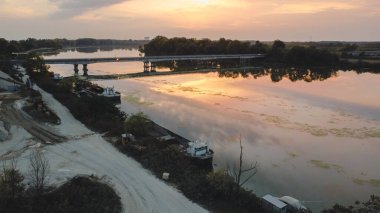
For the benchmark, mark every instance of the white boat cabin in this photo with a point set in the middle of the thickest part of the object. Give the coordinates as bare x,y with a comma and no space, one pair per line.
109,91
198,148
57,76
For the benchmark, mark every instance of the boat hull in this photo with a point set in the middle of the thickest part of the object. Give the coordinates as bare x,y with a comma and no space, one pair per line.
115,98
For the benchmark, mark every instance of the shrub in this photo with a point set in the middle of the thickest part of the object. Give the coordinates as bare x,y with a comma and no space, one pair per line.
137,124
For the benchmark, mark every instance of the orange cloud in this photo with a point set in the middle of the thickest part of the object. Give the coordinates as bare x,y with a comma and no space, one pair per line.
25,8
260,19
311,7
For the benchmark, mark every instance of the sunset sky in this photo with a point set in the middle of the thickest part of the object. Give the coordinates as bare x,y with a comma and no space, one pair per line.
289,20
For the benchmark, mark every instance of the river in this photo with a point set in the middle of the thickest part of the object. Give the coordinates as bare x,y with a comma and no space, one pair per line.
317,141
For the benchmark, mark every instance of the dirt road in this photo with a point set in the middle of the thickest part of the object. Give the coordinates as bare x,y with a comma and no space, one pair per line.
14,116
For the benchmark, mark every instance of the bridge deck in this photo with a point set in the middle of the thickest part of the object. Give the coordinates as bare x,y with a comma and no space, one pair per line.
146,59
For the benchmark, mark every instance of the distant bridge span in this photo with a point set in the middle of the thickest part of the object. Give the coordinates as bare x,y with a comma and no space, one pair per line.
146,60
150,58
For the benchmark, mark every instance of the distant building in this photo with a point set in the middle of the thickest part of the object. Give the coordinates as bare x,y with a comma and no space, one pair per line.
146,38
165,176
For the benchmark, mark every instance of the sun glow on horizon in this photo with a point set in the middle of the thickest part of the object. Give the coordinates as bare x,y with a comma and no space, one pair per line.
201,1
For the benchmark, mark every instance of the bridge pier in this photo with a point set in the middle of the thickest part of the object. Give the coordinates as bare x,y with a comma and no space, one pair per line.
85,70
152,67
146,66
244,61
76,70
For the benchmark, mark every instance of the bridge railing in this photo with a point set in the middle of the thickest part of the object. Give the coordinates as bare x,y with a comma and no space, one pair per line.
145,59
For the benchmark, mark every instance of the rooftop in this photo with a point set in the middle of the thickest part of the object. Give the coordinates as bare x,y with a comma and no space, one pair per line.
275,201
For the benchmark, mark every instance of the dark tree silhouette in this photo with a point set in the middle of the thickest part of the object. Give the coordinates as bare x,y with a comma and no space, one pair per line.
39,169
237,172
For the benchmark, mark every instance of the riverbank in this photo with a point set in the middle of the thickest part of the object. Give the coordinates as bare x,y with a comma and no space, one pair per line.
87,153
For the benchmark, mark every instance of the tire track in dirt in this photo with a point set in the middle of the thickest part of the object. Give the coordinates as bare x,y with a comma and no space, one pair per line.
42,133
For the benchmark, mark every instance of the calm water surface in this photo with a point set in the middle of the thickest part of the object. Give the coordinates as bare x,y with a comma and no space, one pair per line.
316,141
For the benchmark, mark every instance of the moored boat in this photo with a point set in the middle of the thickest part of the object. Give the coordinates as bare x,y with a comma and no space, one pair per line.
111,94
200,153
199,150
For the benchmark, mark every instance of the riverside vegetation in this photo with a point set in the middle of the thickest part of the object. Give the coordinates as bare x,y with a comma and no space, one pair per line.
78,195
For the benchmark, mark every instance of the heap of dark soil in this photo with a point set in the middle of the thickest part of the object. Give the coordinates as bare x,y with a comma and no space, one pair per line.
38,110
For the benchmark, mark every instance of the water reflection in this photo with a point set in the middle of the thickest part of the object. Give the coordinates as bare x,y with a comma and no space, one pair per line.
93,52
315,141
278,74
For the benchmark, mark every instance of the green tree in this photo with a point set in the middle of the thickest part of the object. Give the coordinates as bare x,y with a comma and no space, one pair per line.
258,47
278,45
137,124
277,52
349,47
222,183
35,63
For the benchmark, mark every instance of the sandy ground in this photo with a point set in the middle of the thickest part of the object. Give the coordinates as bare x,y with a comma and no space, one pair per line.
87,153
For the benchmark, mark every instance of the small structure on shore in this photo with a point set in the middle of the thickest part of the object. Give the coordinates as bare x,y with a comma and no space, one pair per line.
165,176
283,204
293,204
273,204
127,137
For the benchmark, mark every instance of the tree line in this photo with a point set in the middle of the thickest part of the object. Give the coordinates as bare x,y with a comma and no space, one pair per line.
275,53
161,45
7,47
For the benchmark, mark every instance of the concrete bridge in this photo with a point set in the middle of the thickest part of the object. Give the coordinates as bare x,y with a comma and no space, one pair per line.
149,61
